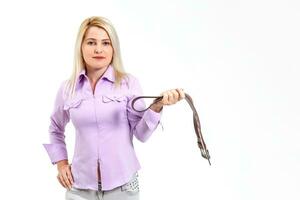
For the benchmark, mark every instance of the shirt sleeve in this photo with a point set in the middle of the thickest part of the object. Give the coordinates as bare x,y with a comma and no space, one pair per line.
59,118
142,124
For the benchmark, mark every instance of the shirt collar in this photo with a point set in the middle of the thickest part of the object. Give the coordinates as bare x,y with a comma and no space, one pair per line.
108,74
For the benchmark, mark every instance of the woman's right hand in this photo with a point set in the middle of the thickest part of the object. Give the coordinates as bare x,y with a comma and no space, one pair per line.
64,176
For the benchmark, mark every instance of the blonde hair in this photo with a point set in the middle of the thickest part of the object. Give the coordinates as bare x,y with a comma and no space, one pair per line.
79,64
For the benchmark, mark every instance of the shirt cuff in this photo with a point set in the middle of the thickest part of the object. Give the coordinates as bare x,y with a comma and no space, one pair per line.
152,118
56,152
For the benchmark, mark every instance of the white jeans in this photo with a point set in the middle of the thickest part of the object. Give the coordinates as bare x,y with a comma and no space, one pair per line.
128,191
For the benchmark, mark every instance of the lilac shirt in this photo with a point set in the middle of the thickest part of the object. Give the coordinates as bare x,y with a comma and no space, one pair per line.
105,124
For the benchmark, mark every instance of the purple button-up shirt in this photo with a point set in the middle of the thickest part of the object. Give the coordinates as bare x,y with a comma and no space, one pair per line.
105,124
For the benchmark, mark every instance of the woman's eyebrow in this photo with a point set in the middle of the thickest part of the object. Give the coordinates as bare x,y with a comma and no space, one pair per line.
96,39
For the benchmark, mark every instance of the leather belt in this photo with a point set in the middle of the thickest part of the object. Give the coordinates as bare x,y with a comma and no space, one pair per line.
197,125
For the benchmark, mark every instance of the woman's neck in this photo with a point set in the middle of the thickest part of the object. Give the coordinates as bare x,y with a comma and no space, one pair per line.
95,75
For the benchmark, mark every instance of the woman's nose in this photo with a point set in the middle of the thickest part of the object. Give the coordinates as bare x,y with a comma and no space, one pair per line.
98,49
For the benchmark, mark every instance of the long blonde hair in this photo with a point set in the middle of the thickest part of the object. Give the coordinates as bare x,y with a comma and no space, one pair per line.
79,64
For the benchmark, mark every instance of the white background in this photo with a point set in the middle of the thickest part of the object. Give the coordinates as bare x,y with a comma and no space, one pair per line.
239,60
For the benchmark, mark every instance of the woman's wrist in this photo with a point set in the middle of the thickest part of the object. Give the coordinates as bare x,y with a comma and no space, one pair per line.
62,163
156,107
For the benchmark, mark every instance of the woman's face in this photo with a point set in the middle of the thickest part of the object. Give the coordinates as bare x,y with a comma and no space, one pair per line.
96,49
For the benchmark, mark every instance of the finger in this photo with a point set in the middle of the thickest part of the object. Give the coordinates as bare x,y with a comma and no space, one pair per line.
67,181
181,93
60,181
176,95
70,177
69,173
170,97
165,98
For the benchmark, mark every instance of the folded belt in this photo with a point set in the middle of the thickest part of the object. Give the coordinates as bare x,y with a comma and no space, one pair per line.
197,125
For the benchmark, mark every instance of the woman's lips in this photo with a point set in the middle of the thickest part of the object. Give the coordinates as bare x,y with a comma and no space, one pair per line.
99,58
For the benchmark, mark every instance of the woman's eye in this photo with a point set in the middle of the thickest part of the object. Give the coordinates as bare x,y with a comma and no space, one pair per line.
104,43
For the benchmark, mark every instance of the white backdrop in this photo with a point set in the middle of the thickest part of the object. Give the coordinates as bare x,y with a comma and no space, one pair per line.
238,59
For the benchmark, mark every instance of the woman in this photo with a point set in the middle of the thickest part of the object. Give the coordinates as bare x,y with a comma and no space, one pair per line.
97,99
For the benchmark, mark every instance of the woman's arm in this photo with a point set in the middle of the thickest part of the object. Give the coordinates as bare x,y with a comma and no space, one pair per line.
59,118
142,124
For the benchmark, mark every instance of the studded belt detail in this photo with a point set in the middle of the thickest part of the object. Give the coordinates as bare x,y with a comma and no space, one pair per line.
132,186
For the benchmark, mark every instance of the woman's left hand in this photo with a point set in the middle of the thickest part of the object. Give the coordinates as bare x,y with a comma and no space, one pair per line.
169,97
